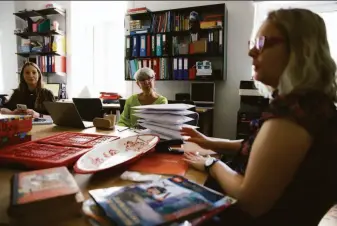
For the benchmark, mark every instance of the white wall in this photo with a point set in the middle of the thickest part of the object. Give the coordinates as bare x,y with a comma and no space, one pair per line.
8,66
240,24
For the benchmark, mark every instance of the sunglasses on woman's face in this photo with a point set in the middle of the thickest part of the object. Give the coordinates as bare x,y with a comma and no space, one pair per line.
261,42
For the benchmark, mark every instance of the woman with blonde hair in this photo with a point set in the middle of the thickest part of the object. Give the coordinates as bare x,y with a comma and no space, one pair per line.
145,81
285,173
30,92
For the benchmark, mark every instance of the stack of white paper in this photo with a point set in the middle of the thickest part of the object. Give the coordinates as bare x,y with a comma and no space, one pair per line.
165,120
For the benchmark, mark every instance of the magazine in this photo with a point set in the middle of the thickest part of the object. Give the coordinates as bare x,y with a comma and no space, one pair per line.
161,202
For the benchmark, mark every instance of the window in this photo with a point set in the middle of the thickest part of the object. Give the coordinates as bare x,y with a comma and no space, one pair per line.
97,47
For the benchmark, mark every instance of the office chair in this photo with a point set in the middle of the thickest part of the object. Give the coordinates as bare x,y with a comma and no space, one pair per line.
121,104
89,108
195,114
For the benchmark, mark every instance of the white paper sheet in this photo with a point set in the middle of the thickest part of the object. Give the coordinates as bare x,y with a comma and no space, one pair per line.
173,127
164,118
167,132
178,112
166,107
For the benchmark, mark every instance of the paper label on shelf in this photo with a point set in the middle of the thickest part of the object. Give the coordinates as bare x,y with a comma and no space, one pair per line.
175,66
164,38
180,63
220,37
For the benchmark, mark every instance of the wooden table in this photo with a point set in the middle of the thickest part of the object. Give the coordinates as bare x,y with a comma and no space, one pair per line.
86,182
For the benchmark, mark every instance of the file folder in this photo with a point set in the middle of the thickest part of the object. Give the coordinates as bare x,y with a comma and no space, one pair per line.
180,68
135,46
153,45
175,69
185,71
128,50
142,45
148,45
159,45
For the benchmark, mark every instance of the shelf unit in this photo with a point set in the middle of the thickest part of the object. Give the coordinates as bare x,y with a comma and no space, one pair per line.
49,77
217,58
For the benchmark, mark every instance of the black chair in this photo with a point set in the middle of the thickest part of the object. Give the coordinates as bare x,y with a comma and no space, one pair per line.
89,108
195,115
121,105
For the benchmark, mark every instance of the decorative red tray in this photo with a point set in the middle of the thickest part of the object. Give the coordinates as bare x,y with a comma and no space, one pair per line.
62,149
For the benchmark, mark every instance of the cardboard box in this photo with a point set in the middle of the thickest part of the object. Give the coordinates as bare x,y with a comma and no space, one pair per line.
15,129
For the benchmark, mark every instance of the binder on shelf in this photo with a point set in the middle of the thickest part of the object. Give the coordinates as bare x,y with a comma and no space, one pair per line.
156,67
165,45
153,45
180,68
159,45
175,69
185,71
135,46
144,63
150,64
142,45
148,45
139,64
220,42
128,50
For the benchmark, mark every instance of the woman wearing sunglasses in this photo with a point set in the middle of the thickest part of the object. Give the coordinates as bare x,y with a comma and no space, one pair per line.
285,173
145,80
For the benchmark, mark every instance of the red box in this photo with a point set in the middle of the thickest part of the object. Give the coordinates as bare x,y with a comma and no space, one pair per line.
15,129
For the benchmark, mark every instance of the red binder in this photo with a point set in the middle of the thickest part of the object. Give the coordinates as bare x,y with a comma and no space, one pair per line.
148,46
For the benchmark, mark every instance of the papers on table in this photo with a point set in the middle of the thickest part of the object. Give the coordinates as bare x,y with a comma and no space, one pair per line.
165,120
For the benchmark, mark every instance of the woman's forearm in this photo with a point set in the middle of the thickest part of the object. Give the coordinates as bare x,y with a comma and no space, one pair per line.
5,111
223,145
229,180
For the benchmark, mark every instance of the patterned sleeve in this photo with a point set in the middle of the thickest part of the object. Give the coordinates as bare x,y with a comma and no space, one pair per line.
311,109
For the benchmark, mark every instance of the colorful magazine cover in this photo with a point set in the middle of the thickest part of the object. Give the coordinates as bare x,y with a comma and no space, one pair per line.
160,202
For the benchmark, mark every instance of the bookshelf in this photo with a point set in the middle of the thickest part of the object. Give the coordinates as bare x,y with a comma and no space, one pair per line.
179,52
42,40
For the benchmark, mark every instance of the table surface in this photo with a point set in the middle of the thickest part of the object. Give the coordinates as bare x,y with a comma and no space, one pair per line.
86,182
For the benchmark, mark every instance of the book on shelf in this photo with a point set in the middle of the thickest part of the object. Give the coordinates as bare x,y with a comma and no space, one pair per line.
36,194
160,202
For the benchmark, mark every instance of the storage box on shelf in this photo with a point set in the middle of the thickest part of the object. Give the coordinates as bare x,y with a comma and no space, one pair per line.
174,43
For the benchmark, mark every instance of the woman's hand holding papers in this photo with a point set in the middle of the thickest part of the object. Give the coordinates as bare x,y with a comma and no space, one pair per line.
197,137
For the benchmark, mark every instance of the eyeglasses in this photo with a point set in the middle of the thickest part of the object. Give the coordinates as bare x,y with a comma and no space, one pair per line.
146,80
261,42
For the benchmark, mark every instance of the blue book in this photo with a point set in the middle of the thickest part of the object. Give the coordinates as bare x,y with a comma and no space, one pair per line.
180,68
185,70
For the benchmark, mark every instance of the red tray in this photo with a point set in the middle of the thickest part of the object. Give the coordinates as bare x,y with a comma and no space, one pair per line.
62,149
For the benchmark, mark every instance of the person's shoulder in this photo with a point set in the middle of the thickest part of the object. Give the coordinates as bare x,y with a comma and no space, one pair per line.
162,98
45,90
312,109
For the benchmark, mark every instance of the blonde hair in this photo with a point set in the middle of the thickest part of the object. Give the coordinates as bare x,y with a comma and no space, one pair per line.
310,63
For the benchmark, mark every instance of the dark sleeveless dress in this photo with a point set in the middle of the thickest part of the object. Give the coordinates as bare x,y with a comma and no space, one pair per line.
313,189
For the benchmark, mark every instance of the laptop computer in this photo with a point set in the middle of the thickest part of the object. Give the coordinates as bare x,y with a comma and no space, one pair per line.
66,114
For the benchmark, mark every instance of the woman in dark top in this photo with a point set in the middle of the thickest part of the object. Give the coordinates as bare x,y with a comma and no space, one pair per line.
30,92
285,173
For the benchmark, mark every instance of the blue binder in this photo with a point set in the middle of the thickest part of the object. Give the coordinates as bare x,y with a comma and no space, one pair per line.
175,69
135,46
142,45
185,71
180,68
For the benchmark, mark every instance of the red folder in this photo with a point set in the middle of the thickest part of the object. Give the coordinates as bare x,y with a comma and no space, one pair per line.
161,163
148,46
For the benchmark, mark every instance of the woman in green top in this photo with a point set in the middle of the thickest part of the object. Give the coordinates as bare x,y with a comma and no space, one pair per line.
145,81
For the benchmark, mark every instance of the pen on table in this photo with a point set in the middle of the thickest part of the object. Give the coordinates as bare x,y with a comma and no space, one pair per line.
121,130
